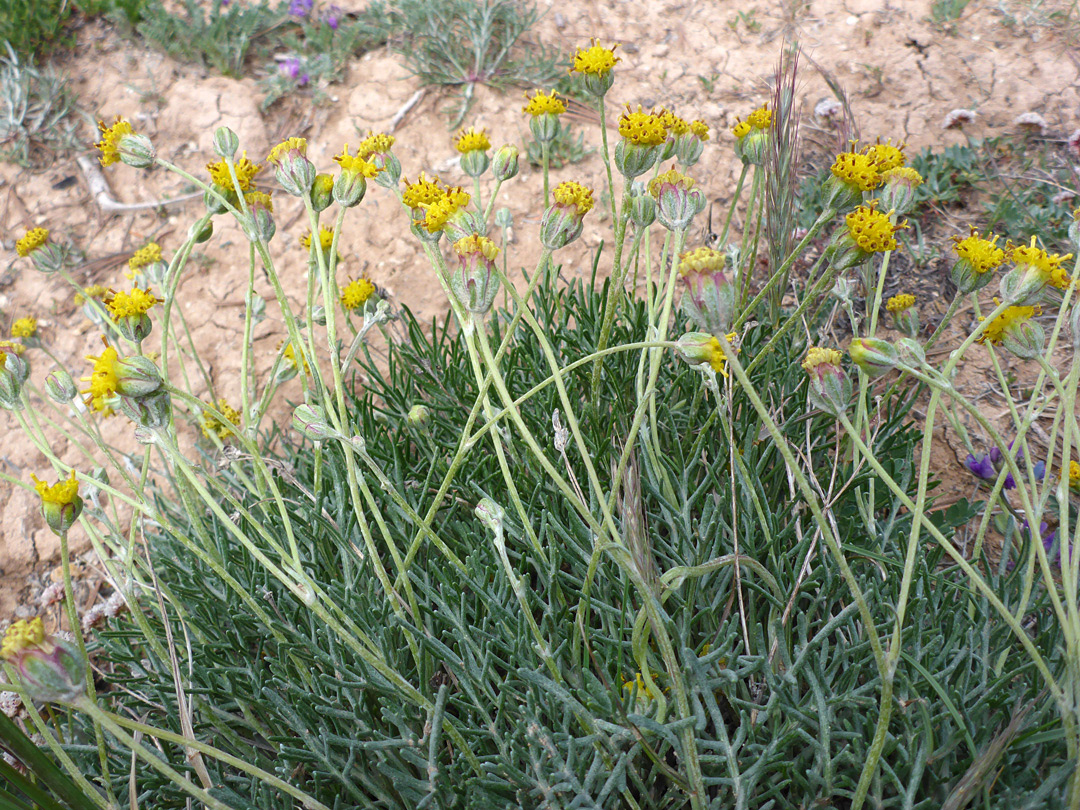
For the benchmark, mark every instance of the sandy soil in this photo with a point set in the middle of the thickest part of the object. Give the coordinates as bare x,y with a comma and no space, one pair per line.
703,60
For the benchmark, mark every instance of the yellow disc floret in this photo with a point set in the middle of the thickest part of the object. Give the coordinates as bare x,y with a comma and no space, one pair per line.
259,199
103,380
282,150
595,59
817,356
700,129
469,140
701,260
571,193
448,204
24,327
1047,265
1074,474
856,169
903,174
34,238
245,173
374,143
22,635
109,145
134,303
544,104
898,303
355,293
94,291
642,128
871,230
476,244
422,193
886,156
326,238
670,177
147,254
984,254
355,164
61,493
213,426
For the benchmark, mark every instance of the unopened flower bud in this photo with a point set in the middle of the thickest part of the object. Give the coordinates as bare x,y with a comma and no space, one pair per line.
910,353
60,503
153,411
1024,338
898,189
136,376
201,231
313,425
226,142
633,160
60,386
137,151
830,387
474,282
642,210
504,165
675,205
562,221
49,258
419,415
292,168
491,515
703,351
873,355
261,226
10,386
215,203
709,295
51,668
322,192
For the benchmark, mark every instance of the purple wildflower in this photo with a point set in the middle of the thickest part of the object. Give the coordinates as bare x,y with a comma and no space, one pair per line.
301,8
290,67
987,465
332,16
982,466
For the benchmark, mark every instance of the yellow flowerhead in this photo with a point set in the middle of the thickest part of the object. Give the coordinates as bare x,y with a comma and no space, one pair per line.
245,173
448,204
670,177
700,129
134,303
34,238
475,244
103,380
60,494
898,303
355,164
1074,474
290,355
596,59
761,118
374,143
212,426
283,150
24,327
259,199
355,293
422,193
543,104
673,124
871,230
11,346
94,291
997,328
983,254
857,169
886,156
1046,265
642,128
469,140
902,174
326,238
109,145
147,254
701,260
22,635
571,193
817,356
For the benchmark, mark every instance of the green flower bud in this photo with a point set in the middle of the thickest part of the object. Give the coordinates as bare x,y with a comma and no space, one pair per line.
226,143
349,189
505,164
201,232
60,387
642,210
10,387
709,296
633,160
51,668
491,515
152,411
136,376
311,424
137,151
322,192
830,387
292,168
60,503
419,415
562,221
49,258
1024,338
676,203
474,282
873,355
475,162
898,189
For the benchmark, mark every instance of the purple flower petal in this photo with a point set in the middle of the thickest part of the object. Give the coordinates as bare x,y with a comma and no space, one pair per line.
981,466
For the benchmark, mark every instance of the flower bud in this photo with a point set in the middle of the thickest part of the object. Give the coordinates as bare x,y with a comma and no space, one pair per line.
49,258
491,515
910,353
10,387
1025,339
905,316
1074,228
292,168
504,166
642,209
689,145
390,176
830,387
562,221
545,127
51,668
873,355
419,415
633,160
260,226
201,231
475,162
504,219
473,146
676,206
137,151
136,376
11,359
226,143
152,411
349,189
60,503
61,387
313,425
703,351
709,296
215,203
322,192
474,282
898,189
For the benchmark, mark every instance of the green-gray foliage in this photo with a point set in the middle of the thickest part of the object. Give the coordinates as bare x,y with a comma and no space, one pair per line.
36,112
783,711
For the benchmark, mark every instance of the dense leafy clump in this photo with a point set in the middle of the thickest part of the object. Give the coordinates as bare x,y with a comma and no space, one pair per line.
516,682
